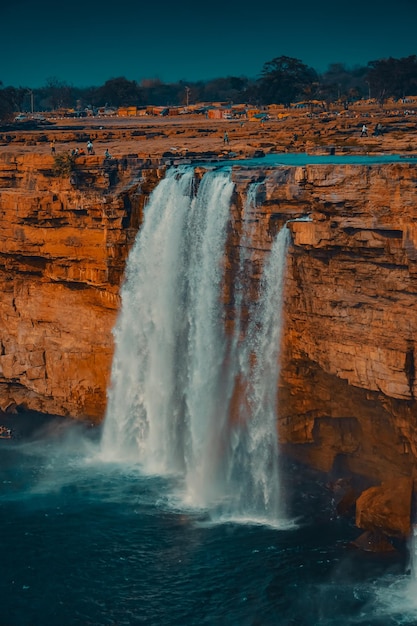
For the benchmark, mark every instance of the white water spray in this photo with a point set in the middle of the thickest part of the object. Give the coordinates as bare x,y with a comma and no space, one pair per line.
253,473
175,372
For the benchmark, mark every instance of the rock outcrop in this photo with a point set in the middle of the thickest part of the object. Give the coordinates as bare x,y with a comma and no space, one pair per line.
63,243
387,506
347,395
348,391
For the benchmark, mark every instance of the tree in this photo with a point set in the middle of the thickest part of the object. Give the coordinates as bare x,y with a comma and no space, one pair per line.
154,91
6,103
340,83
393,77
57,94
229,89
118,92
64,165
284,80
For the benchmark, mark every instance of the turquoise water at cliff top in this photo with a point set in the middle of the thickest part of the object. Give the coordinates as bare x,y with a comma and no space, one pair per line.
302,158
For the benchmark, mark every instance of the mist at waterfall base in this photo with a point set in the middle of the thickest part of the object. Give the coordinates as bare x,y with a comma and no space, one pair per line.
178,512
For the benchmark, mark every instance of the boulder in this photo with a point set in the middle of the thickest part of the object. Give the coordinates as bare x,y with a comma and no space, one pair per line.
386,508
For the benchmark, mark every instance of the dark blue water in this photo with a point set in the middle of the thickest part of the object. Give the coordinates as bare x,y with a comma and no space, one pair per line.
84,542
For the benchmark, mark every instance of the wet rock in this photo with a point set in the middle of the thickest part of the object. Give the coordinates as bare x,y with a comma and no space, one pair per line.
370,541
386,508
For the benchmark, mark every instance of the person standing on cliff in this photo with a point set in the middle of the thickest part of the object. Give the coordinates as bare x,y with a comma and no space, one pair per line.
52,146
226,137
364,132
90,147
378,130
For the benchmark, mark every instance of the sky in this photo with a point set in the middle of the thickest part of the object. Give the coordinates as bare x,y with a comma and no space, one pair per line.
86,42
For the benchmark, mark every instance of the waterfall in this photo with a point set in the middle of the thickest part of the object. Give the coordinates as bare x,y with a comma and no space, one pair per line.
411,587
186,399
252,473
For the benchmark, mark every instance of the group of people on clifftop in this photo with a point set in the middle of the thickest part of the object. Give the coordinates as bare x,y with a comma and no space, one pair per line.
75,151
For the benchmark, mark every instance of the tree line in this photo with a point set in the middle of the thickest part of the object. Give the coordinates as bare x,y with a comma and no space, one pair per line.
283,80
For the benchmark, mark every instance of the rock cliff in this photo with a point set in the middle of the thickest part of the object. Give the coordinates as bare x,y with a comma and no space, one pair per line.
348,393
64,237
348,384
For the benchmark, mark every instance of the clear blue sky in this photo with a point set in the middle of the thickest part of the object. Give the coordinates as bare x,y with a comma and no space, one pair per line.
87,42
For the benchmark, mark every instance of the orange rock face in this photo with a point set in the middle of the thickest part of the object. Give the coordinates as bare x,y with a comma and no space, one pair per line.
348,386
347,389
387,507
63,247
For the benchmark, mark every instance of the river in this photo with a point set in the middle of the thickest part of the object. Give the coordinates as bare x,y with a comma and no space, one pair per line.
89,542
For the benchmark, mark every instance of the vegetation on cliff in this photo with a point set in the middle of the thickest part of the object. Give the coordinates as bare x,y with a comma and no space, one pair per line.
64,165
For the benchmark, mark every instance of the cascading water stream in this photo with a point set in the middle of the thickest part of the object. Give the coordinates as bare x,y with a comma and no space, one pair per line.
253,473
175,371
410,598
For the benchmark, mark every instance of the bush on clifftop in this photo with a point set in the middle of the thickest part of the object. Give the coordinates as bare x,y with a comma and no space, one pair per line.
64,165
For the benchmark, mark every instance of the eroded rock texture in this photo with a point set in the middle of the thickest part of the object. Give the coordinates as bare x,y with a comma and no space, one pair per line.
63,244
348,381
348,391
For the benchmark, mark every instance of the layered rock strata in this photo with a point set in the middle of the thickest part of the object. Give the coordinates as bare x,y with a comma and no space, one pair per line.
64,238
348,391
348,384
